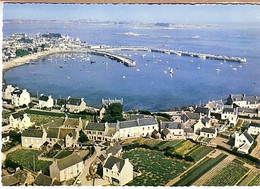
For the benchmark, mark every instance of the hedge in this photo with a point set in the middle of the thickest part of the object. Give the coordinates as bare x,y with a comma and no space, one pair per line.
246,157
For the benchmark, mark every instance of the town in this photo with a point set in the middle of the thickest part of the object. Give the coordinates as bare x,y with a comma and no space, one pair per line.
48,142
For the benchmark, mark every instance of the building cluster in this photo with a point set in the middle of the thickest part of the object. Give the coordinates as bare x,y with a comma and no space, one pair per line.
38,43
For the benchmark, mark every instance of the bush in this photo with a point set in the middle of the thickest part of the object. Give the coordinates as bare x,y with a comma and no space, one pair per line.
21,52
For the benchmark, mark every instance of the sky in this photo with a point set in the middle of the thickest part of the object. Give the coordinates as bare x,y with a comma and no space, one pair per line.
141,13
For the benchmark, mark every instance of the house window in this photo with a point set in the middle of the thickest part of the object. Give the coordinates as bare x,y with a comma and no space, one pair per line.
107,170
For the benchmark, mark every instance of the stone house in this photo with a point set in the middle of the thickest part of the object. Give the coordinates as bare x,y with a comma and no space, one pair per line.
204,111
75,105
230,114
114,150
20,120
172,130
7,94
208,132
243,101
33,138
45,101
20,97
118,171
215,106
66,168
243,141
254,128
137,128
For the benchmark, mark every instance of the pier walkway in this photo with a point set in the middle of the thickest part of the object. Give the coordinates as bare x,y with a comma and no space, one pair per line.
179,53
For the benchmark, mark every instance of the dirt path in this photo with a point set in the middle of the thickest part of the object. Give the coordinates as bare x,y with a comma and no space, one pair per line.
214,171
256,151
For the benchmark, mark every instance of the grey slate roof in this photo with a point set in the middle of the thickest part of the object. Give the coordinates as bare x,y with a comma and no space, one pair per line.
165,132
111,161
74,101
32,133
191,115
248,136
205,120
96,126
114,149
171,125
229,110
208,130
9,180
60,102
254,124
44,98
68,161
52,132
18,115
136,123
237,97
247,110
43,180
202,110
135,116
17,92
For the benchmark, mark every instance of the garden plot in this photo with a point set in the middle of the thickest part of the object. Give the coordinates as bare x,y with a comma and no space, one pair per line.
229,175
156,168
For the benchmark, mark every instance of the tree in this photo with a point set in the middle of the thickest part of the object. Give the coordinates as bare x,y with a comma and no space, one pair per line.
82,137
16,137
113,113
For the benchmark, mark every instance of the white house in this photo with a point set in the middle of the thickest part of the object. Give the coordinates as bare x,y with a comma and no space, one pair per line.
66,168
254,128
208,132
75,105
33,138
45,101
215,106
137,128
230,114
203,111
7,92
20,120
243,141
108,102
172,130
20,97
118,171
244,101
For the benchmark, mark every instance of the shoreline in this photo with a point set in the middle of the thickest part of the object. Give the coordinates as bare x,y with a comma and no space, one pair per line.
32,57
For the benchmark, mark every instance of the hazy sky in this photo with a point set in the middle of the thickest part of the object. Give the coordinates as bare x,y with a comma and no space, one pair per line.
143,13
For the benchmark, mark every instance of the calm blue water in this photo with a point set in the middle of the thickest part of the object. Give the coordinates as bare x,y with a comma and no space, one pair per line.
149,85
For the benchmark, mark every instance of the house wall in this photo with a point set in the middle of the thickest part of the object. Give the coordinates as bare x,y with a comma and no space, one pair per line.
254,130
71,172
76,109
198,126
54,171
138,131
208,135
240,140
32,141
231,117
95,135
23,99
7,94
47,104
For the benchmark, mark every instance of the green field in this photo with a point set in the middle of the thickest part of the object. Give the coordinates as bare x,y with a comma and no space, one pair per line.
28,159
229,175
43,119
63,154
198,153
156,168
255,181
168,144
196,172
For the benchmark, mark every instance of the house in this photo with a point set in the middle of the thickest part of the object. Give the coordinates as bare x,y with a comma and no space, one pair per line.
243,141
254,128
20,97
198,126
172,130
20,120
102,131
250,112
66,168
208,132
7,94
118,171
155,134
5,138
73,123
42,180
45,101
69,136
52,135
60,104
243,101
203,111
10,180
137,128
230,114
102,112
215,106
190,116
108,102
33,138
114,150
75,105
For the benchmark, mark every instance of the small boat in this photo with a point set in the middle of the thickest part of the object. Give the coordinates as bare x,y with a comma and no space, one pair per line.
124,76
191,61
235,69
221,62
143,55
61,66
218,70
240,66
165,72
138,69
92,61
171,71
198,67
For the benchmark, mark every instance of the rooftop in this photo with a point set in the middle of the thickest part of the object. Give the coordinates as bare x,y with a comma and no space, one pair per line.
96,126
111,161
171,125
68,161
32,133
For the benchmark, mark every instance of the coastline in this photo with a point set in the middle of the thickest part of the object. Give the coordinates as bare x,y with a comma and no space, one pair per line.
32,57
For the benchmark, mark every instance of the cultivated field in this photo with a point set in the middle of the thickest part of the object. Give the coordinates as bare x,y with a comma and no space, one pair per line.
156,168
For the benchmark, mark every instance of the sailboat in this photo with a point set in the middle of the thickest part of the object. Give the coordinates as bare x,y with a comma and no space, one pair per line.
198,67
218,70
171,71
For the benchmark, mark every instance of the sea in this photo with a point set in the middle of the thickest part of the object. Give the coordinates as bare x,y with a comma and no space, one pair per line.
149,85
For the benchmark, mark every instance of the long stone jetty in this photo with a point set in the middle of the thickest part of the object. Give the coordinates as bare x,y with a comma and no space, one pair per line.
180,53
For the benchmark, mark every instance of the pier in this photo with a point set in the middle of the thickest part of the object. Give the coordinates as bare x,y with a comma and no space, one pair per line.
179,53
